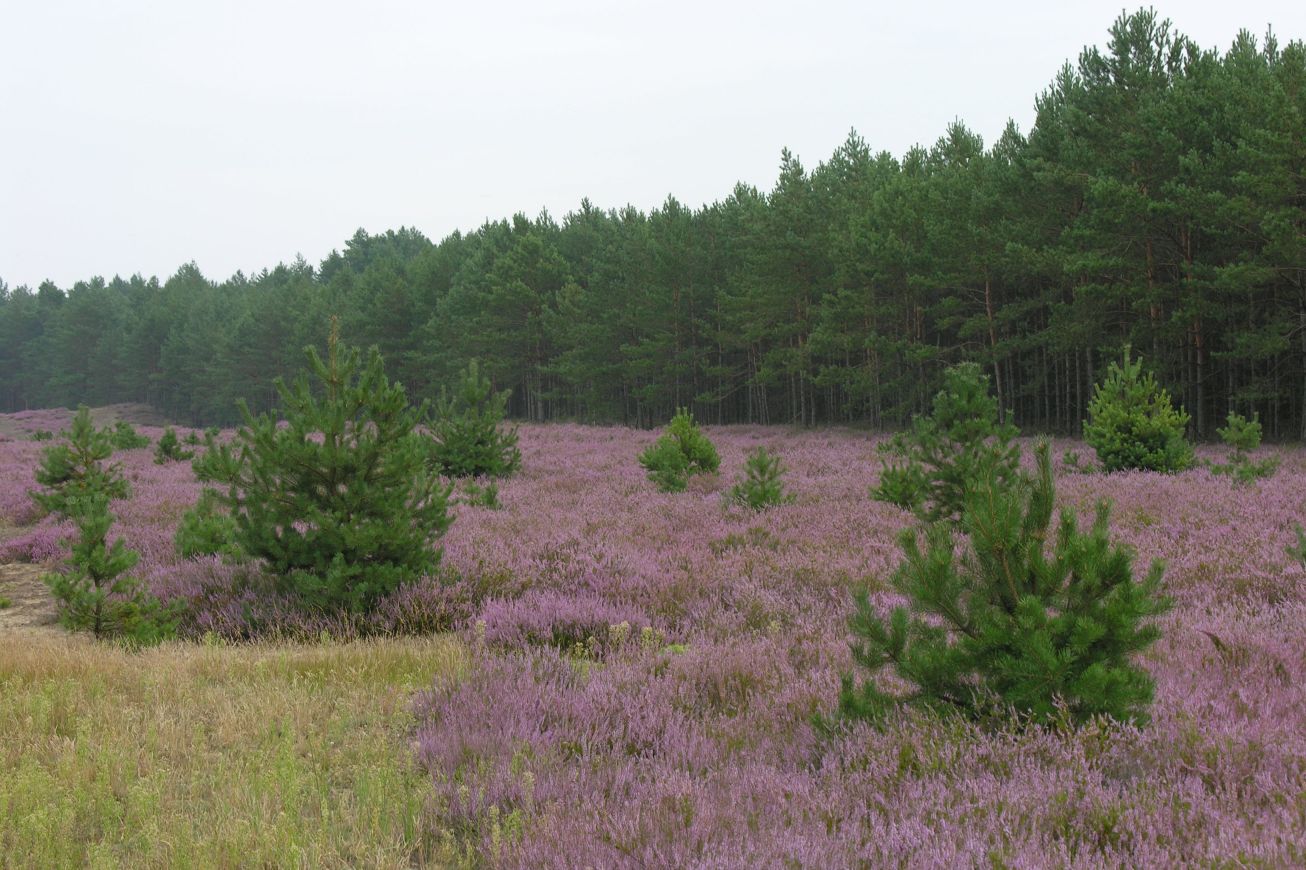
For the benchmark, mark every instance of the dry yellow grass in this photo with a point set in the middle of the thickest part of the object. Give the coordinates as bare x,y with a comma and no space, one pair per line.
212,756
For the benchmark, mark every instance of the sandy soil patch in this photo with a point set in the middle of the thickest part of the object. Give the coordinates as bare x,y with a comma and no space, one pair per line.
30,603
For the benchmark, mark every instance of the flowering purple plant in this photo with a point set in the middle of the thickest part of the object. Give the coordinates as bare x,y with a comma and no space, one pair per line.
687,740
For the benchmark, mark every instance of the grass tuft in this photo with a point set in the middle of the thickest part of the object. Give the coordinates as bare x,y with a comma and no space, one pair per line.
213,755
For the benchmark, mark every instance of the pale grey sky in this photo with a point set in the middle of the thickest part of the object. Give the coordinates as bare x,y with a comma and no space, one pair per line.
137,135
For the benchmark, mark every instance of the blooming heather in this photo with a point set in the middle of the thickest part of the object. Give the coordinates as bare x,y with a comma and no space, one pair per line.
682,734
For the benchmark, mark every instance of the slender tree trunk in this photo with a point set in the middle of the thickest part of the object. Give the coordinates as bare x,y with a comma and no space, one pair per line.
993,344
1301,314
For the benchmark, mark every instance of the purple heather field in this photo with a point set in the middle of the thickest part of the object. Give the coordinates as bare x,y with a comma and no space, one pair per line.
647,667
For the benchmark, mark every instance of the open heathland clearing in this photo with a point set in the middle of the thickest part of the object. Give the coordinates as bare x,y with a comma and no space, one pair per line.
627,677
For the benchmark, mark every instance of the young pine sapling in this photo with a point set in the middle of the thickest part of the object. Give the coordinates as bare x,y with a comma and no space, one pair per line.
468,435
1132,424
1008,625
935,463
337,501
762,485
679,453
74,469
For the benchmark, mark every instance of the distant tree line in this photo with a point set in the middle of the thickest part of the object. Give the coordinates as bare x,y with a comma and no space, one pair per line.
1159,201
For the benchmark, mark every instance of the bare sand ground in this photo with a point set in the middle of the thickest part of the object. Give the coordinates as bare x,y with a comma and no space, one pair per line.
31,607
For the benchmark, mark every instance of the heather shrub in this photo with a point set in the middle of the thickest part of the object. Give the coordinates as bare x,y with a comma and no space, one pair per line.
169,448
94,591
1242,436
338,501
124,436
1132,424
583,624
207,529
761,486
1009,626
467,431
72,471
679,453
427,606
755,537
936,462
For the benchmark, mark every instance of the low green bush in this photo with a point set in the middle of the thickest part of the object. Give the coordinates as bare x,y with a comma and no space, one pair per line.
1009,626
468,436
762,485
124,436
1133,425
680,452
1242,436
206,530
169,448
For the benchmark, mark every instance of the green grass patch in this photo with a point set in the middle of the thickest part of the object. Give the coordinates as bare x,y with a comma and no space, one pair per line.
213,756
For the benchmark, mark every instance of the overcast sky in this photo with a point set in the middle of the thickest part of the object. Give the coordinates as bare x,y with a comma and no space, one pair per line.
136,136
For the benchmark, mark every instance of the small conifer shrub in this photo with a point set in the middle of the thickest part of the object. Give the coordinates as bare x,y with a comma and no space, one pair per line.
1010,626
1132,424
124,436
42,435
679,453
762,485
338,501
1242,436
169,448
206,530
934,464
467,431
95,592
74,469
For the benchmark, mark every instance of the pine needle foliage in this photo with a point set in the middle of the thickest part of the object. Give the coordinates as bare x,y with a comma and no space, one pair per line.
125,437
1133,425
935,462
337,500
169,448
96,593
469,438
1008,626
482,495
74,470
762,485
679,453
206,530
1242,436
